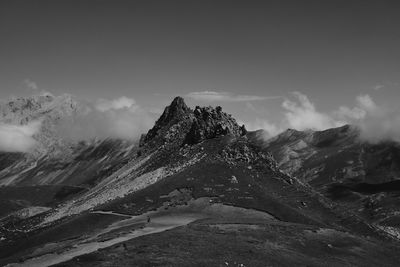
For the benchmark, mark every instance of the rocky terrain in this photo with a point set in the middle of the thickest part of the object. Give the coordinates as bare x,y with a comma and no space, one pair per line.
198,190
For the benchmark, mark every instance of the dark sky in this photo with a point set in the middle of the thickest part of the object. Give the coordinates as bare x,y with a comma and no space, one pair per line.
331,51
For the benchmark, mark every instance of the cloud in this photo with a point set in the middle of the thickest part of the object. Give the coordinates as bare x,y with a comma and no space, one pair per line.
381,125
385,84
378,123
298,113
270,129
301,114
120,118
18,138
35,89
364,103
378,87
30,84
212,96
346,113
115,104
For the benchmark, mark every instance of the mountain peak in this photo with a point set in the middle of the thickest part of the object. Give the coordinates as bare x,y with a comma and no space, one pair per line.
176,112
178,102
179,123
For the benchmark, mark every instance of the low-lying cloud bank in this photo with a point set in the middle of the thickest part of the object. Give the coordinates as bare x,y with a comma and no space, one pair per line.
77,120
18,138
120,118
302,114
298,113
376,123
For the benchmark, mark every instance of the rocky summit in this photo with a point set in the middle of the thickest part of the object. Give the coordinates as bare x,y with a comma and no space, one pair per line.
200,190
212,122
181,125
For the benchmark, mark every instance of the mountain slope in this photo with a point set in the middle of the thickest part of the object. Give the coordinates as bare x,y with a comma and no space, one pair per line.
200,171
362,177
55,166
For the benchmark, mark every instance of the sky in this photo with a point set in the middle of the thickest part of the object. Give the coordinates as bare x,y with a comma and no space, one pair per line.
265,62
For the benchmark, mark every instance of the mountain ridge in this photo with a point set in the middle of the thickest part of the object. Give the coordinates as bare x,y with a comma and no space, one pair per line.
181,125
197,163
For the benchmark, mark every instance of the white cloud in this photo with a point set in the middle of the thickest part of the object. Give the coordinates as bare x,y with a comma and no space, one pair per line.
378,87
301,114
31,84
120,118
365,102
34,88
212,96
386,85
346,113
270,129
115,104
376,123
18,138
380,126
379,123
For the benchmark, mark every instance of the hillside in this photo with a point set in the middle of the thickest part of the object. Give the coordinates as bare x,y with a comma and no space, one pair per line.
360,176
56,168
198,184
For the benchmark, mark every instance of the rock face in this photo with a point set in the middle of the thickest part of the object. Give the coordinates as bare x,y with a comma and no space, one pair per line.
210,123
180,125
170,129
46,109
23,110
173,114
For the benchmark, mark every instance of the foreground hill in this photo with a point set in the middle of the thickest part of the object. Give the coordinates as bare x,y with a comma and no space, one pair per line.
198,191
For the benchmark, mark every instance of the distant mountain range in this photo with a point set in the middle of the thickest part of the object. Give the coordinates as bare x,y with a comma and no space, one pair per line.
307,198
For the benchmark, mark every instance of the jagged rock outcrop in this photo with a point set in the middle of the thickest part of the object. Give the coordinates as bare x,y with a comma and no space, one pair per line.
173,114
210,123
181,125
243,151
171,128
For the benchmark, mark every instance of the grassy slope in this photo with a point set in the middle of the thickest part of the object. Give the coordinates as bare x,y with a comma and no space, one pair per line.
255,243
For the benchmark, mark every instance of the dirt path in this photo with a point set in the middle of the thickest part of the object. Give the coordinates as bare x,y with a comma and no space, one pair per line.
137,226
158,224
